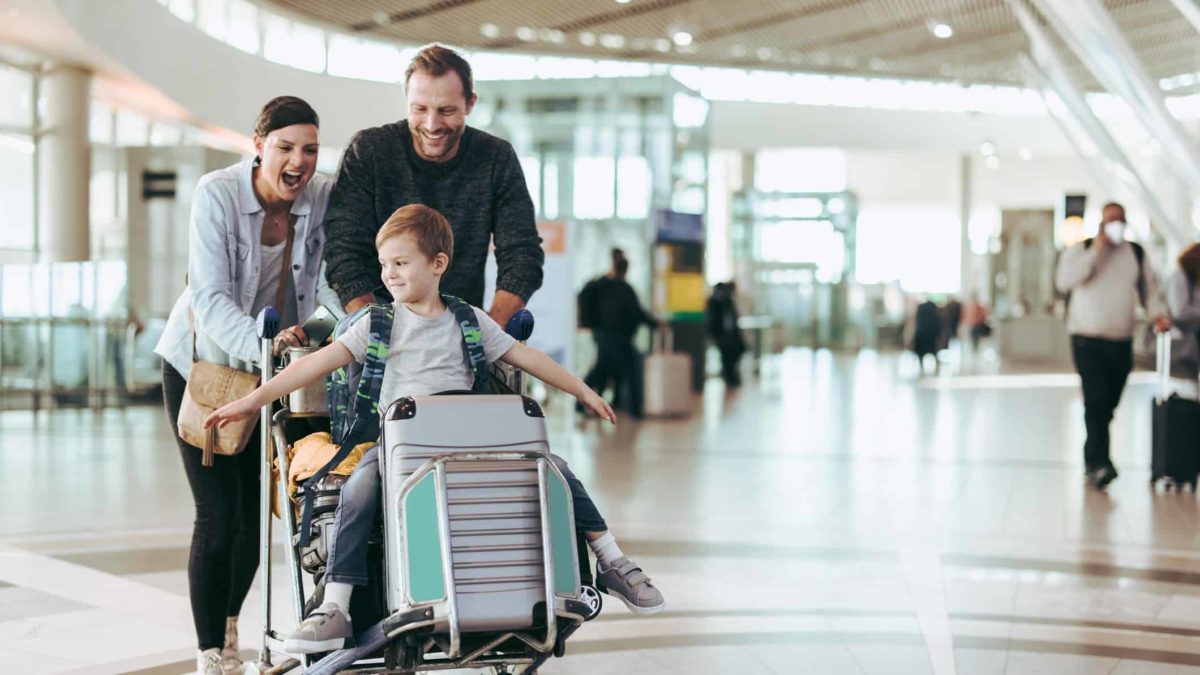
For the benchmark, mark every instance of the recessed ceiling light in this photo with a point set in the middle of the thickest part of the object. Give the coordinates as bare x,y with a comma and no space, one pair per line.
988,148
622,2
738,51
663,45
1025,153
382,18
682,38
765,53
551,35
489,30
992,162
587,38
526,34
942,30
612,41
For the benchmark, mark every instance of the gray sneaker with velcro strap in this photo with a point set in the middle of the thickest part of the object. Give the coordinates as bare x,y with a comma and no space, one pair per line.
625,580
325,630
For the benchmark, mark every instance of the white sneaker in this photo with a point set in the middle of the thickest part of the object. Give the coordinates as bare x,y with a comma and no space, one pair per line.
208,662
230,661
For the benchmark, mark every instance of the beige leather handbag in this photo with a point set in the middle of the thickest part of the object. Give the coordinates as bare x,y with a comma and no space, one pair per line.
211,386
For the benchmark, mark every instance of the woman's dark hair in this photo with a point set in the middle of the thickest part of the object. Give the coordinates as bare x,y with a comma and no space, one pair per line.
284,111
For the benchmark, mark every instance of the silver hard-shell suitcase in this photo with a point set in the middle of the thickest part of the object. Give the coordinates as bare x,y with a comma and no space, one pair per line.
494,463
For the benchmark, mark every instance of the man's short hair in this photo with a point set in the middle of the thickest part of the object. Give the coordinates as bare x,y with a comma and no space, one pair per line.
1113,205
437,60
428,228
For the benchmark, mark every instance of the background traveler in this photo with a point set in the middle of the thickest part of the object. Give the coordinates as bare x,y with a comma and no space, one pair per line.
1106,277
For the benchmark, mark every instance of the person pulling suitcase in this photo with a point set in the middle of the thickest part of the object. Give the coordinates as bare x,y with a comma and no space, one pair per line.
1105,277
1175,458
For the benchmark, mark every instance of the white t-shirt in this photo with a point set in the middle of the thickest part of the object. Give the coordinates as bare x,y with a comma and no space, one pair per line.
426,354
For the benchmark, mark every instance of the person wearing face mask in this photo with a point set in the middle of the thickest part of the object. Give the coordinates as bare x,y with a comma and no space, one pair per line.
242,220
1106,278
433,158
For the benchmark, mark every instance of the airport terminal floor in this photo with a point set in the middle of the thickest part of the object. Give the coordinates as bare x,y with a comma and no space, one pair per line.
834,515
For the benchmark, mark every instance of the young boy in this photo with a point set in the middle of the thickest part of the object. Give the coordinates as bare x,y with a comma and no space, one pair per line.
426,357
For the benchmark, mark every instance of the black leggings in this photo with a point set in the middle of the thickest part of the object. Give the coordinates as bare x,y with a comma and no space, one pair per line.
224,556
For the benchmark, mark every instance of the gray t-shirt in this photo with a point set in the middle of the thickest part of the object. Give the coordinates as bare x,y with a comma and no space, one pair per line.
426,354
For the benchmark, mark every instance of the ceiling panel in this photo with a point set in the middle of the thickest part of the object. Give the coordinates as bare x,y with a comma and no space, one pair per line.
891,38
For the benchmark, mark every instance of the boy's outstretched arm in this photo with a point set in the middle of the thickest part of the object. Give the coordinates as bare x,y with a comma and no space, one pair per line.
545,369
298,374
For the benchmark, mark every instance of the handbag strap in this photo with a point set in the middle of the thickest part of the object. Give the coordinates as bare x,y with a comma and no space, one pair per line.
285,266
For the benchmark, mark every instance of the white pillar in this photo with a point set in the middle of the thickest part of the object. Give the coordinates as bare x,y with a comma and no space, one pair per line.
968,275
64,164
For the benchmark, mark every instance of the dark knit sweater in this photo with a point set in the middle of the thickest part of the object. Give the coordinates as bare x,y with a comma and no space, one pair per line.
481,192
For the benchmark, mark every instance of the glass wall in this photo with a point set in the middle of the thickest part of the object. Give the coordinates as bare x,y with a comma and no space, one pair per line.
67,332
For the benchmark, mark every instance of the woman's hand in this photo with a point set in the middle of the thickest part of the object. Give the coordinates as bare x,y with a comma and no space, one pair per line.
288,337
592,401
232,412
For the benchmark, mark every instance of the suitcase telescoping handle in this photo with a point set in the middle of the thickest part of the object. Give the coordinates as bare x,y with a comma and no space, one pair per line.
664,342
1162,362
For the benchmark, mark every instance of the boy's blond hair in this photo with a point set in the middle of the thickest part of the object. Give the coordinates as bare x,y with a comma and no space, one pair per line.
429,228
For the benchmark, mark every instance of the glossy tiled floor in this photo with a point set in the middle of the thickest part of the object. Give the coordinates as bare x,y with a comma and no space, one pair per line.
833,516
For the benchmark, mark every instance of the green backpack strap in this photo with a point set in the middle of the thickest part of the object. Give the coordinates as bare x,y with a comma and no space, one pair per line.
472,340
363,400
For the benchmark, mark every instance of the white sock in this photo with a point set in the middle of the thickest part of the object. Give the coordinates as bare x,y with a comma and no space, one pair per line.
606,549
339,594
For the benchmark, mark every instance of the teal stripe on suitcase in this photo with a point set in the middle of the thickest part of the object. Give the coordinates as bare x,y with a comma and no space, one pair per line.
426,577
562,536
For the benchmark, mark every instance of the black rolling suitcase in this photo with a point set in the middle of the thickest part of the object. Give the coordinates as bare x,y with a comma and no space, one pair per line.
1176,429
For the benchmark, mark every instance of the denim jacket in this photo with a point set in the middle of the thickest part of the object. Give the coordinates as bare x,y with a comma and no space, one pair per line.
224,260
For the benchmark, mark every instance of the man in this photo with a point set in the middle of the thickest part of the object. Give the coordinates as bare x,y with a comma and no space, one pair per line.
434,158
1105,277
615,315
721,317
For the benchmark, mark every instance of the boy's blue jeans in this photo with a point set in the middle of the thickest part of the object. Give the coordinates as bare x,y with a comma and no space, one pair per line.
359,504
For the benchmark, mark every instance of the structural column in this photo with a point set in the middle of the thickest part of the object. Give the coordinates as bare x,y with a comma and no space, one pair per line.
64,164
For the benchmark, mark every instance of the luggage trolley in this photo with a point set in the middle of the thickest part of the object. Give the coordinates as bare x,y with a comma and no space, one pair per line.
481,558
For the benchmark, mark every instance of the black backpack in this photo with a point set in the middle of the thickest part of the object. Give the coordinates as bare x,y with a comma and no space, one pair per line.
586,303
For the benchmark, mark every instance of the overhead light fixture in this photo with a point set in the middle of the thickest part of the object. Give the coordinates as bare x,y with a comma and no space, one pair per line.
489,30
587,38
682,38
382,18
526,34
1025,153
662,45
941,30
623,2
987,148
612,41
992,162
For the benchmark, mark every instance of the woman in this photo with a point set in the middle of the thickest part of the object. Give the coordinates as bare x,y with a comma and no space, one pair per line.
242,217
1183,302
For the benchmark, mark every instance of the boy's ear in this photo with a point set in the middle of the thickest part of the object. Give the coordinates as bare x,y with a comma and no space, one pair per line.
440,262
